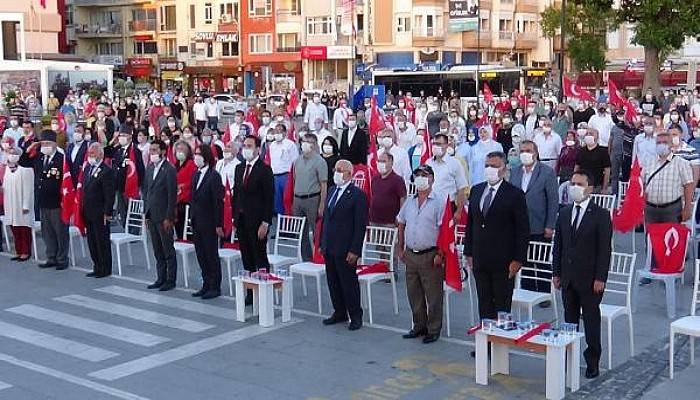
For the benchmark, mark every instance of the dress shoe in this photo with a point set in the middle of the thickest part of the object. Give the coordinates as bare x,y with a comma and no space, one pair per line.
102,275
48,264
15,258
212,294
199,293
412,334
23,259
91,274
592,373
430,338
61,267
334,320
154,285
355,325
167,286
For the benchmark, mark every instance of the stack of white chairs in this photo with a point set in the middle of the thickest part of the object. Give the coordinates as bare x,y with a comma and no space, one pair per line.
538,254
689,326
379,246
134,231
619,285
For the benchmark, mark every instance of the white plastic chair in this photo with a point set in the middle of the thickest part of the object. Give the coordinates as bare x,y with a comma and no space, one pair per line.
359,181
135,222
184,249
289,233
669,280
36,227
607,201
449,291
538,253
74,233
689,325
694,231
378,246
229,256
410,188
619,284
316,271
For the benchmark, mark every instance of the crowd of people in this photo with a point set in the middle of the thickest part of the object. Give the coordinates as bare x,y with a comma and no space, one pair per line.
512,169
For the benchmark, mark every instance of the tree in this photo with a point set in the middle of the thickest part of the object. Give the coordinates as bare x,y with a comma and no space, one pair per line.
661,26
585,28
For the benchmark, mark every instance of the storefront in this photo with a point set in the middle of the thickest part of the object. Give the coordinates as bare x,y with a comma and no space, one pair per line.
213,79
140,69
216,66
273,77
172,74
327,67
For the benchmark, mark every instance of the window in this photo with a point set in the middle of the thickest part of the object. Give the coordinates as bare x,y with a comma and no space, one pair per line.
403,24
360,23
145,48
193,18
288,6
330,70
229,49
485,24
168,20
261,43
287,42
228,12
183,49
110,49
69,14
193,49
208,14
505,25
319,25
210,49
259,8
613,39
169,47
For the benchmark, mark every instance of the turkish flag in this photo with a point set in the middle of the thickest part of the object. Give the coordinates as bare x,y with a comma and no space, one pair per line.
361,171
67,195
482,121
227,211
318,256
293,103
292,133
614,97
251,117
669,244
411,110
377,122
227,134
488,94
42,3
288,198
630,111
427,148
631,214
78,204
131,187
572,90
446,244
376,268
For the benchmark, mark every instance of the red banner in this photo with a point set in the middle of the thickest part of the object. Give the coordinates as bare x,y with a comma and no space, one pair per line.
669,245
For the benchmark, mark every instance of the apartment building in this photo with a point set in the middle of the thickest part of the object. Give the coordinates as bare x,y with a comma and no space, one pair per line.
42,27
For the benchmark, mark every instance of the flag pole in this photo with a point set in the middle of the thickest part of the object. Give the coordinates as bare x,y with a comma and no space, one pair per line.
41,51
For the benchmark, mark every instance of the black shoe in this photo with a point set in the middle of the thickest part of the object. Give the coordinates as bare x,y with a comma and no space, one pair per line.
91,274
102,275
167,286
199,293
592,373
334,320
23,259
355,325
48,264
15,258
61,267
644,281
545,304
155,285
212,294
472,354
412,334
430,338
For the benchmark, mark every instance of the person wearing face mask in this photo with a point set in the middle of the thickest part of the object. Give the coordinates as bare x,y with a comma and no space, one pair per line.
695,141
226,166
331,154
283,153
675,119
239,126
344,226
97,207
14,130
531,120
603,123
401,164
143,145
321,133
126,156
450,178
159,199
213,111
101,116
580,262
405,133
419,223
504,133
649,104
388,193
207,221
496,237
253,207
354,142
18,202
61,139
596,160
549,145
583,113
28,144
681,149
310,188
75,154
476,155
266,125
434,118
199,109
185,168
314,112
567,157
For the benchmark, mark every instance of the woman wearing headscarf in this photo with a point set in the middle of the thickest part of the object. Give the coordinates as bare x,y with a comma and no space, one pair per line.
18,201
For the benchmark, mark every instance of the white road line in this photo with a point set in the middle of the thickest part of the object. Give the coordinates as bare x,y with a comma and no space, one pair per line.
135,313
185,351
57,344
169,301
4,385
88,325
98,387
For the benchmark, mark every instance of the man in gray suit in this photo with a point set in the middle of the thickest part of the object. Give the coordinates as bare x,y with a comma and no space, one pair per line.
159,196
539,182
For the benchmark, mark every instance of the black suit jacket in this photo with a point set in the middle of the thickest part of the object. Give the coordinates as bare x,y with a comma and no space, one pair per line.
49,179
355,151
503,234
160,194
98,192
344,224
119,163
207,201
581,259
76,164
255,200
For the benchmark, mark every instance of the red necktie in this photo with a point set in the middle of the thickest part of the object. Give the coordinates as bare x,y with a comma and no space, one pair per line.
246,175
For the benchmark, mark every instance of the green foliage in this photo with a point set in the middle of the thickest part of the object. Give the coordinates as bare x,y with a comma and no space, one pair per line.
94,93
10,95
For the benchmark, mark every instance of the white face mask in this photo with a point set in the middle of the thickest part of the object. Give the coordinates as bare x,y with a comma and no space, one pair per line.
570,143
180,155
577,193
527,158
14,123
46,150
443,130
306,147
662,149
92,161
248,154
438,151
155,158
13,158
381,167
676,140
266,120
278,137
317,100
648,129
54,127
589,140
422,183
338,178
352,124
123,141
171,125
237,119
402,125
327,149
269,137
696,134
491,175
78,137
228,155
547,129
187,136
386,141
198,160
206,139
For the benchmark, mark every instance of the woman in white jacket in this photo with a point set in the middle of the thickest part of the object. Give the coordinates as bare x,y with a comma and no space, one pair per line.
18,196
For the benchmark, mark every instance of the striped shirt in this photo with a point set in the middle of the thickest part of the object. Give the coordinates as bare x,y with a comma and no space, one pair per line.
667,185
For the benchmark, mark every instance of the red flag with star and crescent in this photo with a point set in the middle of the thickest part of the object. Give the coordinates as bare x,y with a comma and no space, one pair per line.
669,244
572,90
228,210
293,103
446,244
427,148
131,187
488,94
78,203
631,213
614,96
67,195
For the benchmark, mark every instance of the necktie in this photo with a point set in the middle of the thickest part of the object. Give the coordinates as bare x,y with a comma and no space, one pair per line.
574,225
334,199
487,202
246,175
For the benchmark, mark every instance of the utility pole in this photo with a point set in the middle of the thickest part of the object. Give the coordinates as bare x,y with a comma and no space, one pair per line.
561,50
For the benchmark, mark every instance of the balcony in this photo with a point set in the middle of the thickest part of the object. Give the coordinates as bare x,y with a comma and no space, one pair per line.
527,6
430,37
507,5
98,31
105,3
293,49
505,40
142,25
471,40
289,16
525,40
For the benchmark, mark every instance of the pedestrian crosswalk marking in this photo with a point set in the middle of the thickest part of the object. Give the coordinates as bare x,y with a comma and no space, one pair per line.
95,327
135,313
57,344
171,302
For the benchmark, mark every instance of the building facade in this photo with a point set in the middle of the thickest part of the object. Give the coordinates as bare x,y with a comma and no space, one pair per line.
42,27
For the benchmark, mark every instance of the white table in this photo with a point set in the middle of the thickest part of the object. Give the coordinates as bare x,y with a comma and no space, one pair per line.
263,299
563,358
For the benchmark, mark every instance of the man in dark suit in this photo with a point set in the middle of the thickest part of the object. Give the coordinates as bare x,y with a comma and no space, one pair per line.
344,224
496,237
159,198
122,156
354,142
253,200
75,154
580,263
207,224
98,201
48,172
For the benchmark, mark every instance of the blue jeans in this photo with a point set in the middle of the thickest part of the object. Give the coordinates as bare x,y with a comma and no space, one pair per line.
280,184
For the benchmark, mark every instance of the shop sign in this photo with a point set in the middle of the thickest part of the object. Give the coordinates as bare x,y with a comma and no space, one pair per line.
463,15
536,72
314,52
491,74
216,36
172,65
339,52
139,61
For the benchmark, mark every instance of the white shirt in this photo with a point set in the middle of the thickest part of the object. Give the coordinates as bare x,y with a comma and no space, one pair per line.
486,192
406,138
527,176
584,206
202,172
76,149
450,176
644,148
530,122
227,170
235,129
282,156
263,131
549,147
351,135
402,165
14,133
340,117
314,112
200,111
212,109
603,125
157,166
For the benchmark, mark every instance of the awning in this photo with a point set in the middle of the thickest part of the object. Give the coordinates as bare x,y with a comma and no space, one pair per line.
171,75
